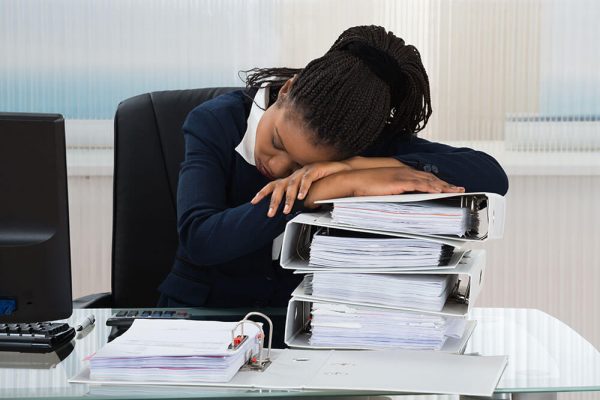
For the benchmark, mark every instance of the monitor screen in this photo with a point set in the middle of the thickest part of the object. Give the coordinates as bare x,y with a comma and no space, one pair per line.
35,266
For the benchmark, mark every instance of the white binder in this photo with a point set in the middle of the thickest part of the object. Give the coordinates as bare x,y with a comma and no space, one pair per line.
468,280
297,334
490,208
298,235
366,372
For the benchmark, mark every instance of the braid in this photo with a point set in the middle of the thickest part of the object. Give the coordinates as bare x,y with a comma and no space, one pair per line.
256,77
367,85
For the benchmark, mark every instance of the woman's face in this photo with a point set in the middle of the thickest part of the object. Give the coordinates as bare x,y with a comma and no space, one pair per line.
283,144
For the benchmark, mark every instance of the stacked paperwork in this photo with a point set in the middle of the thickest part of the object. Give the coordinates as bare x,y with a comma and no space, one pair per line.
340,325
422,292
336,248
424,217
389,271
174,351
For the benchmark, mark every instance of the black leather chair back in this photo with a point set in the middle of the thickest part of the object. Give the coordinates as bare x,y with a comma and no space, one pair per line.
149,149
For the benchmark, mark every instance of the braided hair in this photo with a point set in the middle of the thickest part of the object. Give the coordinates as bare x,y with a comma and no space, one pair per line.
367,85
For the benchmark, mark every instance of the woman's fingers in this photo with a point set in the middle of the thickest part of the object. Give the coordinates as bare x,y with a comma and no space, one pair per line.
262,193
374,181
440,185
290,193
305,183
417,181
276,197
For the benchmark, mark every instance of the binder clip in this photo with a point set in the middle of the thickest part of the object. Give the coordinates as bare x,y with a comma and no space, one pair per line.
255,362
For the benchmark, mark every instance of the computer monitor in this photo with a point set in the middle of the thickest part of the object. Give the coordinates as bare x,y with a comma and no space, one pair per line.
35,262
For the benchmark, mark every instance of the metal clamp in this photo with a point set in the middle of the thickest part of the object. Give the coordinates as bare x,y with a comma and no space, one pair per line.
260,362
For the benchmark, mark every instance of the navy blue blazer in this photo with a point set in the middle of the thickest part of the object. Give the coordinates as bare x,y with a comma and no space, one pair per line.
224,255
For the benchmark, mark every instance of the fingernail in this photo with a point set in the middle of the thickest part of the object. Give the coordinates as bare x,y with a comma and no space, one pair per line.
286,209
300,195
270,211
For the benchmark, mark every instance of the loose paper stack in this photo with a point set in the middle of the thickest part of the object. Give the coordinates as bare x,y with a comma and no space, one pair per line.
174,351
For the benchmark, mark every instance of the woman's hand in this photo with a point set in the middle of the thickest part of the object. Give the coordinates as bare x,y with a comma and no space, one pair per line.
297,184
378,182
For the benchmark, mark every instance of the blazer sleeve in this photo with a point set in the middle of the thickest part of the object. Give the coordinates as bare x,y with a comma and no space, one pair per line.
475,170
210,231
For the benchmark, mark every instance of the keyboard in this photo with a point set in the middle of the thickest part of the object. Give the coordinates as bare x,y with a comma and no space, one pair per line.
41,337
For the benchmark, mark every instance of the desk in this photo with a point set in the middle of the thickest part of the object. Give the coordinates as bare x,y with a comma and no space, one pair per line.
545,356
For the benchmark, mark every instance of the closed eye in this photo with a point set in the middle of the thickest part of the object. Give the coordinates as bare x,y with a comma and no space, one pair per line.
275,144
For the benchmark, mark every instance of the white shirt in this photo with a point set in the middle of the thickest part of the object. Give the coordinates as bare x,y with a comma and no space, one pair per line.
246,147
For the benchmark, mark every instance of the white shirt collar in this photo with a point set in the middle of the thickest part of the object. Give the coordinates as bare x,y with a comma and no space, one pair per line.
246,146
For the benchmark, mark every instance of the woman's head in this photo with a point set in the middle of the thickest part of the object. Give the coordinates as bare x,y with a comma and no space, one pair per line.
368,84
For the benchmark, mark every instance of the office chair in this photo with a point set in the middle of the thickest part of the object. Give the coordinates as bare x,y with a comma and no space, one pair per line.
149,149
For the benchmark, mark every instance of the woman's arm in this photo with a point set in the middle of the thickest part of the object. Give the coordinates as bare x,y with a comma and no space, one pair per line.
209,231
418,165
474,170
376,182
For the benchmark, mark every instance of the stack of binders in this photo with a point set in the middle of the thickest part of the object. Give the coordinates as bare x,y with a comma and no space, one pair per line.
389,271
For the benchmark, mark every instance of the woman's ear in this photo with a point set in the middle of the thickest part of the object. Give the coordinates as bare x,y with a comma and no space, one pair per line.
287,86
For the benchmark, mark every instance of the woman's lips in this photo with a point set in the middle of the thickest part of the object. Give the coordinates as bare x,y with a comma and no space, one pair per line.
263,170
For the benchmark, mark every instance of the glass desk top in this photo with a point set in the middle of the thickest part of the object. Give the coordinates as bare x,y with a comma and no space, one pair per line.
545,355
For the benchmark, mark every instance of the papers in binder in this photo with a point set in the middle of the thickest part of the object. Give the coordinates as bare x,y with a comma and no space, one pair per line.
336,248
344,326
466,280
176,351
427,217
465,216
420,292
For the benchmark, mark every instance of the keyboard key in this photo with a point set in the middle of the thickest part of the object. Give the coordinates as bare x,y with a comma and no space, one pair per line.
168,313
26,330
146,314
157,314
38,330
121,313
58,328
132,313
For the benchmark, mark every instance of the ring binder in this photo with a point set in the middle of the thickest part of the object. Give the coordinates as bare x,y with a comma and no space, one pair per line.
254,363
300,232
470,272
484,219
